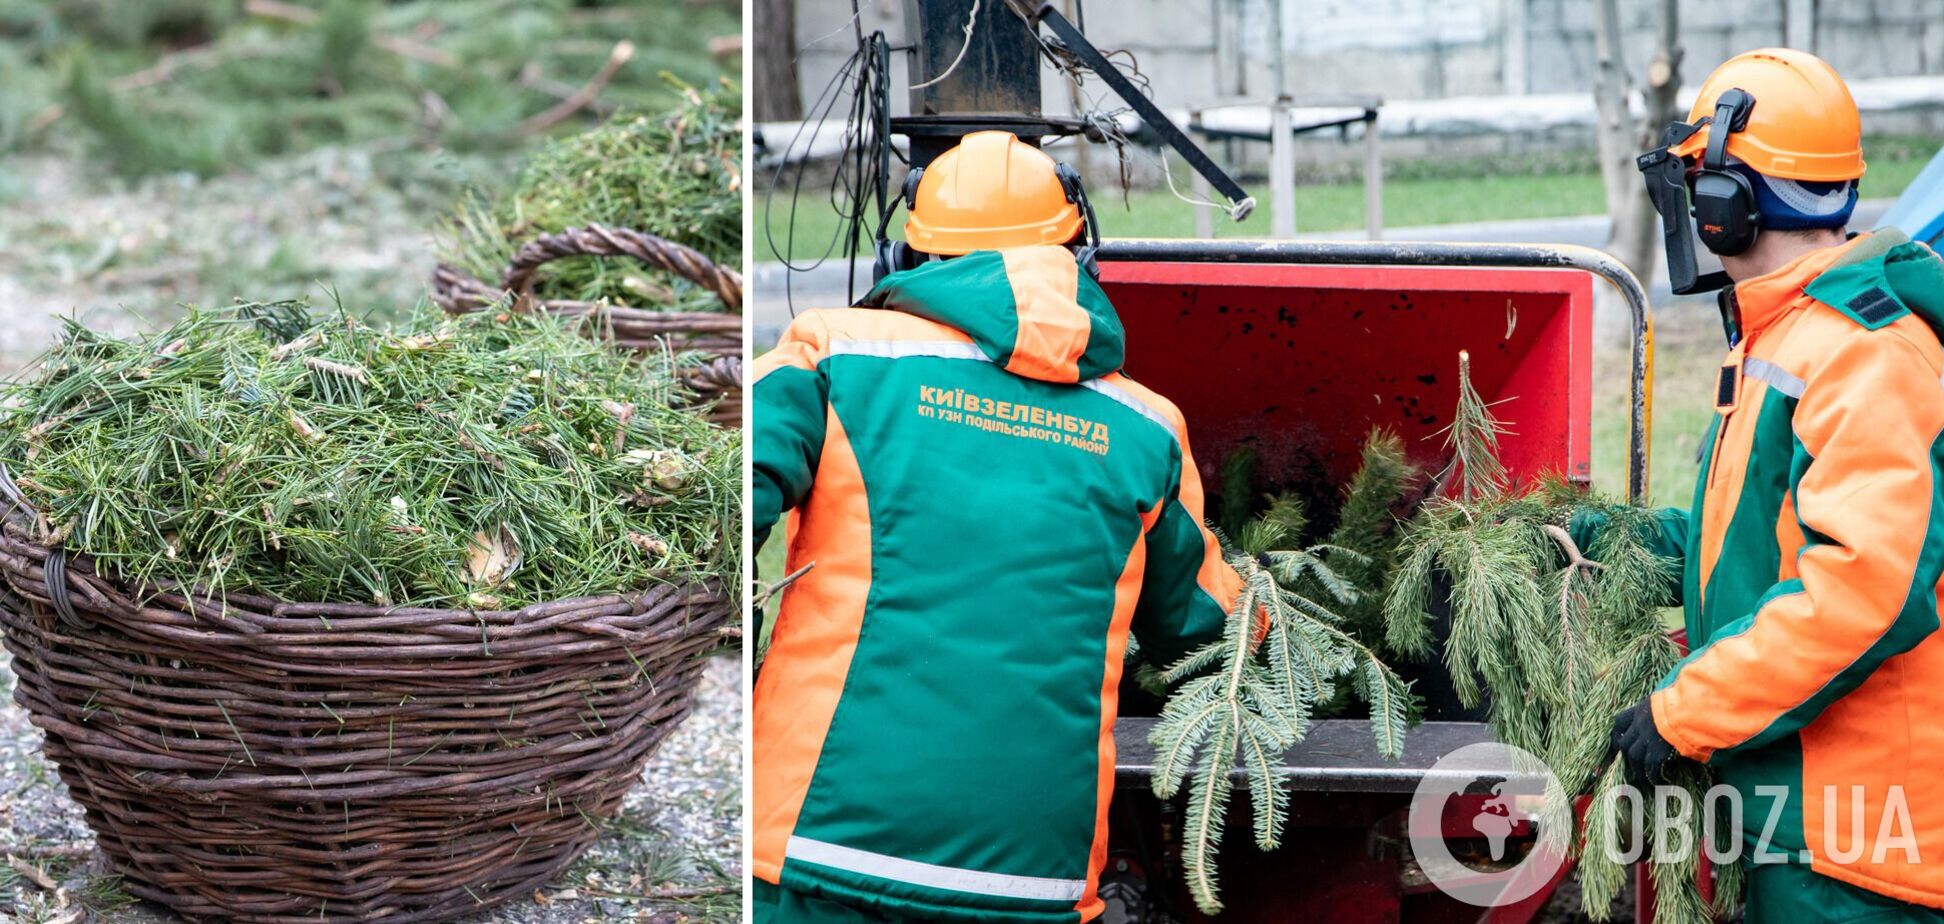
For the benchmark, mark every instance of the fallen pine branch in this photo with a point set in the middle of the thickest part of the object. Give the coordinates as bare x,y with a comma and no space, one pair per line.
1247,697
770,592
581,98
396,44
33,874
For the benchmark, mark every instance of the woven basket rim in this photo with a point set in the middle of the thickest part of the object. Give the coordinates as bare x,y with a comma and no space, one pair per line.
304,616
458,291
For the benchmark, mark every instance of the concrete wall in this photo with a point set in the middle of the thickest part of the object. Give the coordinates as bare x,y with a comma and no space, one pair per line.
1426,49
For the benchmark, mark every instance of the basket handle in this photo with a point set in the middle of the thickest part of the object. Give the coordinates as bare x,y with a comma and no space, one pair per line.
601,241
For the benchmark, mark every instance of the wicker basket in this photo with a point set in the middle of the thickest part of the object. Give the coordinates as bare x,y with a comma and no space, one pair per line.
718,380
256,760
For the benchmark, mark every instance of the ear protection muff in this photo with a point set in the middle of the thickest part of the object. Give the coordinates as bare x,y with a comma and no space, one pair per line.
894,257
1076,192
1725,215
910,194
897,256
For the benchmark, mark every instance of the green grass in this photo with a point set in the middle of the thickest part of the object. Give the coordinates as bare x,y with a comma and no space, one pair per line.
1683,376
1157,213
1412,201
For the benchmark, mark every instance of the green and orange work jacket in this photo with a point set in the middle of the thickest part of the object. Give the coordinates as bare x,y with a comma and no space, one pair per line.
990,507
1812,558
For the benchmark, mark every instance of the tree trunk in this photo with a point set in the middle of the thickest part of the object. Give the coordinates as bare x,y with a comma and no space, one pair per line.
1633,237
776,95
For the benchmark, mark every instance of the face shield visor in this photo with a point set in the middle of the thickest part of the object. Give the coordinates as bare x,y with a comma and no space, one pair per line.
1668,188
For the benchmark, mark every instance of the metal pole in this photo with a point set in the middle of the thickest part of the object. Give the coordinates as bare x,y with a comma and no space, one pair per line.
1276,63
1282,171
1358,253
1373,178
1513,41
1204,217
1082,159
1799,25
1282,142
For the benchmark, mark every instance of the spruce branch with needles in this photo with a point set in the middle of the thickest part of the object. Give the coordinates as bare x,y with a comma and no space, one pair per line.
1248,697
1554,639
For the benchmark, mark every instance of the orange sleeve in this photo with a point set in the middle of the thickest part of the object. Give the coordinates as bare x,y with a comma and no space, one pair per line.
1871,501
786,432
1189,587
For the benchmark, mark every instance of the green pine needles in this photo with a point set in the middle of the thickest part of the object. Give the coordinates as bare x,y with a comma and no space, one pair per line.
676,174
1555,642
1250,696
1384,487
491,461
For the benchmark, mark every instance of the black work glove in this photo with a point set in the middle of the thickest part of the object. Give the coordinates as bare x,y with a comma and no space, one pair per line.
1649,756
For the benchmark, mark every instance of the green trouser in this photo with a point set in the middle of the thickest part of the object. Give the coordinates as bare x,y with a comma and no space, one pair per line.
1791,893
775,905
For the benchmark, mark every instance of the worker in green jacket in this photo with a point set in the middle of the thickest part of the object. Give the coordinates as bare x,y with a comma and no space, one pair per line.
1812,556
989,507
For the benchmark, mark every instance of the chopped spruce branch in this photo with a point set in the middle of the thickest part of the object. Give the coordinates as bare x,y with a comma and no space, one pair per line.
1250,696
1370,523
466,462
1556,639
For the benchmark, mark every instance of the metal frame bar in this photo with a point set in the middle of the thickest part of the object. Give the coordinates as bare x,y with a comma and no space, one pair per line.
1373,177
1398,253
1240,202
1373,167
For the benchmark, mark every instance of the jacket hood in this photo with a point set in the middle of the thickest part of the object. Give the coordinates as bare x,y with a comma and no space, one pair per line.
1029,309
1880,278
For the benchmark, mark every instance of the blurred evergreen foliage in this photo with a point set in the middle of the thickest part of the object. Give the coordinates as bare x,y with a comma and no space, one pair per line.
210,85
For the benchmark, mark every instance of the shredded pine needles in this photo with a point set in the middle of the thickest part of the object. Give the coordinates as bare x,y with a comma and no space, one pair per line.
490,461
676,175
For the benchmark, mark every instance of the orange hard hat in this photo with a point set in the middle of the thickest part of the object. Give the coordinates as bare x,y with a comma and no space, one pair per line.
1804,125
991,191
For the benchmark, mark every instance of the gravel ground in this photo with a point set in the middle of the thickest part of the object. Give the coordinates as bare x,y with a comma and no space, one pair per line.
674,854
115,256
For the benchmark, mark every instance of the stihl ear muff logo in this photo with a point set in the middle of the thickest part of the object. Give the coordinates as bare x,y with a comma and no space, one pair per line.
1713,229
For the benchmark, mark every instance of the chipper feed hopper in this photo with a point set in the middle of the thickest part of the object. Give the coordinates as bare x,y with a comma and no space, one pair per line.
1297,350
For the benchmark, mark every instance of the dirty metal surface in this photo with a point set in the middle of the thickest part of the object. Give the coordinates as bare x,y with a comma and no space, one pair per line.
1337,755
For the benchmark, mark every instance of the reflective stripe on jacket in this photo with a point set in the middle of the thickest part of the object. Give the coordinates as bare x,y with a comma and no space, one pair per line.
1812,561
990,507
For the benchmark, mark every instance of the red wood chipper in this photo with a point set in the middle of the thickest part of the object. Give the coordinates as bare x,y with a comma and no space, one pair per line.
1333,339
